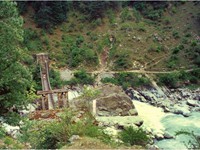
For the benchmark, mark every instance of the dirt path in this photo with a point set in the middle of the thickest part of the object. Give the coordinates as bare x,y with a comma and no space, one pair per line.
137,71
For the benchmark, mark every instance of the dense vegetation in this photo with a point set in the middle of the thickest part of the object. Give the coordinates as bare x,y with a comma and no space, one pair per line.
128,80
177,79
15,77
56,134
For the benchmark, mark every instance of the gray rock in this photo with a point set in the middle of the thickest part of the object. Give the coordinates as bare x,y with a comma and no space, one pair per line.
133,112
166,109
192,103
168,135
159,136
139,123
45,114
74,138
103,113
119,110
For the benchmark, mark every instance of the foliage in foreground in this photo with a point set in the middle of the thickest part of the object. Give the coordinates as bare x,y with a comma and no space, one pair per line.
134,136
55,134
194,143
6,142
15,78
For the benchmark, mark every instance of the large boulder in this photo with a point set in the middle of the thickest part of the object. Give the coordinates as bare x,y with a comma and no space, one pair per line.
111,101
114,102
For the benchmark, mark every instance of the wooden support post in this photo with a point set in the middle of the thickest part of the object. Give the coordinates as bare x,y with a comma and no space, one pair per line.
43,102
60,101
46,102
65,99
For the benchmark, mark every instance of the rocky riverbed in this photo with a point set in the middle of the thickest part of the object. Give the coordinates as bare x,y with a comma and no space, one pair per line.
161,116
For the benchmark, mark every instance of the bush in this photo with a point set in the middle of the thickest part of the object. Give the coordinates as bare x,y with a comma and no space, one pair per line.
109,80
32,40
173,61
175,34
55,80
126,15
81,77
127,79
122,60
55,134
169,80
134,136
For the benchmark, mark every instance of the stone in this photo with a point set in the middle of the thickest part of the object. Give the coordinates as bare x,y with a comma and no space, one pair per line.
133,112
103,113
11,130
192,103
45,115
139,123
166,109
159,136
168,135
114,100
74,138
111,131
119,110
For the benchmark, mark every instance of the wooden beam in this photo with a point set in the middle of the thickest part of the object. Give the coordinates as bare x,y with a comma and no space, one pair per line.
52,91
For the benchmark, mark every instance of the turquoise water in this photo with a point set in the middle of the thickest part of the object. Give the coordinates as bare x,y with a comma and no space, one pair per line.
157,120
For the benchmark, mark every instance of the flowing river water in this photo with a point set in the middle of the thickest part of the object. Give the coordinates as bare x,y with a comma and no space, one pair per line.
159,121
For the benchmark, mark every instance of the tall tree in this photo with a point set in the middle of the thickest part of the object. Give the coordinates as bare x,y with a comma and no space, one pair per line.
14,76
49,13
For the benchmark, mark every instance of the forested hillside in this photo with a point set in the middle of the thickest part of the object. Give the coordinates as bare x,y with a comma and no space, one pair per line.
116,35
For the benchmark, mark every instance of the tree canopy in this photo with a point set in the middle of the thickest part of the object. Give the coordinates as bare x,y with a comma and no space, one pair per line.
15,78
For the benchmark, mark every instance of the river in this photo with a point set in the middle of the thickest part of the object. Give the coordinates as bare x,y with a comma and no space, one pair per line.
159,121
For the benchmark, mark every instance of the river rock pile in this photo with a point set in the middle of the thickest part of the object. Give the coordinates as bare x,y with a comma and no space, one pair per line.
179,101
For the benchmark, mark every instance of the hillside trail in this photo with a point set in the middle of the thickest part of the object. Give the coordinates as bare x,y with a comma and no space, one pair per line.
155,61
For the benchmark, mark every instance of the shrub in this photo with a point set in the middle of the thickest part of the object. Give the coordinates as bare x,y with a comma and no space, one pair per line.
173,61
81,77
166,20
175,34
197,61
55,80
127,79
96,23
2,132
176,50
134,136
160,48
137,15
169,80
188,35
122,60
55,134
194,43
126,15
111,16
109,80
126,27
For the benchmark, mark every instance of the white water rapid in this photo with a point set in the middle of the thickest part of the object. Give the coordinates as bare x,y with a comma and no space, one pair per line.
159,122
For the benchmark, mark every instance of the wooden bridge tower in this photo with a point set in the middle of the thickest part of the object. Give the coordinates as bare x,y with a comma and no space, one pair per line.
47,93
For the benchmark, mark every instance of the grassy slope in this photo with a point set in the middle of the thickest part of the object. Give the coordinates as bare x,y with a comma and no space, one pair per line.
136,38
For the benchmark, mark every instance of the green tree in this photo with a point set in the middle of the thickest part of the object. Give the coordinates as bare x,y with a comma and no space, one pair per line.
49,13
15,78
